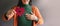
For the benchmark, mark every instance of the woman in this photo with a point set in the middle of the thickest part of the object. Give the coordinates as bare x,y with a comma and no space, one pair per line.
25,14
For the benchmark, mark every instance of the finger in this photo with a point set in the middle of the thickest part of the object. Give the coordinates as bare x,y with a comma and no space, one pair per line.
14,11
27,14
31,13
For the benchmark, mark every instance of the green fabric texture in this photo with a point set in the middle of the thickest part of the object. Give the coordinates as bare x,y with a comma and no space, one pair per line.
22,20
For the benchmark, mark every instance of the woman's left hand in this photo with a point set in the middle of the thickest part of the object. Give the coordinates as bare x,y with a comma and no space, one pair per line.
31,16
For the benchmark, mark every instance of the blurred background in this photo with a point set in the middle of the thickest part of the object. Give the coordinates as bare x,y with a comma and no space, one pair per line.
49,9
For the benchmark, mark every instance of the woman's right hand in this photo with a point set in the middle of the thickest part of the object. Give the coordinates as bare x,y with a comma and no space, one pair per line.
10,13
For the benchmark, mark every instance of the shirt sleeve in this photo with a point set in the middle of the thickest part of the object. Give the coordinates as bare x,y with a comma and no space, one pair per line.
37,13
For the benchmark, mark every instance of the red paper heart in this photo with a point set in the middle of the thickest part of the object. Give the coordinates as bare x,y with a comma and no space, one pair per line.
20,11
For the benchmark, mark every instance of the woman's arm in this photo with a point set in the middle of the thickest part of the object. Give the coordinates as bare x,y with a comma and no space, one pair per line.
7,16
37,13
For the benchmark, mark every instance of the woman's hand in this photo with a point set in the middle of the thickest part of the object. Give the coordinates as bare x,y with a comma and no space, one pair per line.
10,13
31,17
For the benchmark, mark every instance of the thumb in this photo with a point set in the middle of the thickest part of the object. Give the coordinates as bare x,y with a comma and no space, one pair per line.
32,13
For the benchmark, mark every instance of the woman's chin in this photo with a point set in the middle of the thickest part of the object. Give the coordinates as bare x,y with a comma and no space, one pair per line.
25,3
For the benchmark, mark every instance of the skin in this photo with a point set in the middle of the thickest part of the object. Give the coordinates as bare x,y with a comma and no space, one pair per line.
25,1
